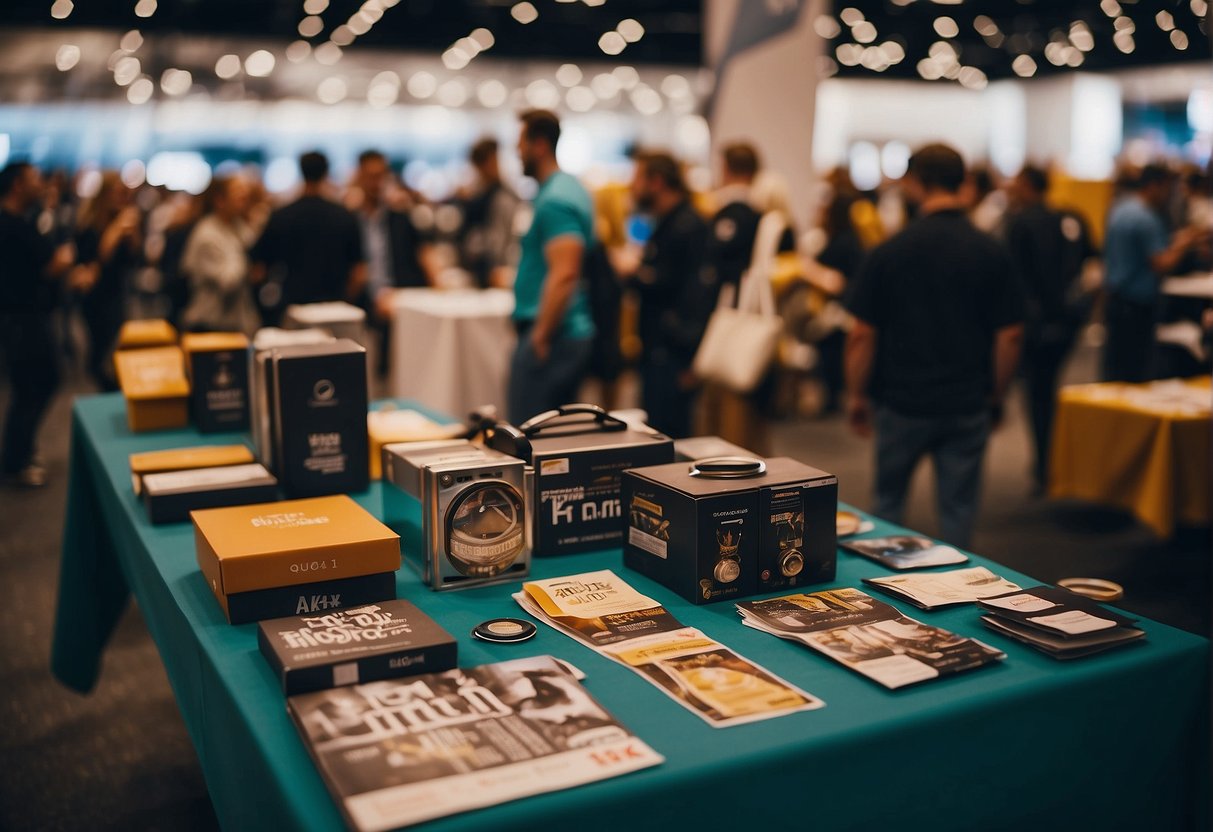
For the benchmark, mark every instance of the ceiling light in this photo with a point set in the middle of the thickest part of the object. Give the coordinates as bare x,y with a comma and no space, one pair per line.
851,16
864,31
647,101
126,70
67,57
569,75
131,41
145,8
943,52
228,66
1024,66
946,27
1110,7
605,85
1081,36
1055,53
1124,41
849,54
985,26
60,9
455,58
893,51
331,90
627,76
874,59
612,43
524,12
315,6
260,63
1165,21
929,69
327,53
492,93
311,26
973,78
827,27
358,24
484,38
543,94
140,90
1200,8
631,30
1179,39
422,85
176,81
580,99
342,36
454,93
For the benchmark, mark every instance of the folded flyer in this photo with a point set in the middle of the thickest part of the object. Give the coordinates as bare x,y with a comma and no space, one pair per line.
905,551
868,636
710,680
931,590
399,752
1058,622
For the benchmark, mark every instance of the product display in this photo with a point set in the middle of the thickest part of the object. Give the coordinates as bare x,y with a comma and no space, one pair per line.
152,332
461,510
578,453
184,459
170,497
312,597
610,617
155,387
730,527
219,385
396,753
269,545
318,401
868,636
932,590
905,551
1058,622
261,416
354,646
388,426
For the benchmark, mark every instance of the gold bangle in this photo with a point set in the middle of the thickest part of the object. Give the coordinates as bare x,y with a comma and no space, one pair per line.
1095,588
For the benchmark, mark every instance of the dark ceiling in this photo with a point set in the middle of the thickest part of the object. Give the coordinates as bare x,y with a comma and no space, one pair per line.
673,30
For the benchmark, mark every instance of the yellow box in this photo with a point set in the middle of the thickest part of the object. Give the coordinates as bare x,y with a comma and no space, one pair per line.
270,545
157,392
154,332
388,426
186,459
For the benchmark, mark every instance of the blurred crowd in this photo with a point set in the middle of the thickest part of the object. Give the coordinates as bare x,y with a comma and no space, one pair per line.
653,267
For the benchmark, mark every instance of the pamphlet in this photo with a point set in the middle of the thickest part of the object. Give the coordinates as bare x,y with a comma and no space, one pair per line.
868,636
932,590
399,752
905,551
707,678
1059,622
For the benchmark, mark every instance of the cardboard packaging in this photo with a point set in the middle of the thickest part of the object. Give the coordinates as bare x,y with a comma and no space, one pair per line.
184,459
319,404
578,453
218,371
154,384
388,426
461,511
727,528
261,418
154,332
368,643
315,597
269,545
171,496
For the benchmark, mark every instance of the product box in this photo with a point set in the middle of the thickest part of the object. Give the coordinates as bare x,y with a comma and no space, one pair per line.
137,335
319,405
315,597
154,384
578,453
171,496
343,320
218,370
368,643
389,425
727,528
261,420
706,447
184,459
269,545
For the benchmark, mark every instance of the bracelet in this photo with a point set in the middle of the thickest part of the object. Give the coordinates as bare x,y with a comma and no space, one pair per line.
1095,588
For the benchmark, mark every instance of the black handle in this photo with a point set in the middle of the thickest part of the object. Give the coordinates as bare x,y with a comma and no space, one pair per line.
727,467
504,437
549,418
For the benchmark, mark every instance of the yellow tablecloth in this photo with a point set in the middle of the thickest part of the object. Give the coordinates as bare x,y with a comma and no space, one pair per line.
1141,447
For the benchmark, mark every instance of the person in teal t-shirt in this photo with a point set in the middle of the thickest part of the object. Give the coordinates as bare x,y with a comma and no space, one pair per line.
551,309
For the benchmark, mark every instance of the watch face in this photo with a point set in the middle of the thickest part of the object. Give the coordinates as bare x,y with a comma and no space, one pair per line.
791,563
727,571
485,529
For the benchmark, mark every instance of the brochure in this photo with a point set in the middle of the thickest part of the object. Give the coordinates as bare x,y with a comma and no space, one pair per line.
932,590
868,636
707,678
905,551
1058,622
399,752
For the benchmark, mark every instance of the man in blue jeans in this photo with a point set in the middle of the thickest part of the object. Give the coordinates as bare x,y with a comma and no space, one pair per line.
551,310
936,338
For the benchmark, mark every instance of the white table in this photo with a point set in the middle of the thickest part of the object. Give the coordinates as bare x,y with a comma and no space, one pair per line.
451,349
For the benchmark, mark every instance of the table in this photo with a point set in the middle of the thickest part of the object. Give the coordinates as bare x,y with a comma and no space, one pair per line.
1115,740
451,350
1139,447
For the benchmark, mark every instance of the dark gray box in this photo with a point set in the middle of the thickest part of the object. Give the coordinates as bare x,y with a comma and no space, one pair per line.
170,497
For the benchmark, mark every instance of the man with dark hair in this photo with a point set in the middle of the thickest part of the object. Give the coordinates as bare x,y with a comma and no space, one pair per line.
486,239
675,300
1138,252
311,250
1048,249
28,292
551,311
935,343
740,162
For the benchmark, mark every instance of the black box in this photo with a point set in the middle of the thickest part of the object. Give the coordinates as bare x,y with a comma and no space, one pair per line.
725,530
218,367
261,383
354,646
319,404
316,597
170,497
578,453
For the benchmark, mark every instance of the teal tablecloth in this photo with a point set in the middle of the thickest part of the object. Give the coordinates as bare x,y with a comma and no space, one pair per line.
1116,741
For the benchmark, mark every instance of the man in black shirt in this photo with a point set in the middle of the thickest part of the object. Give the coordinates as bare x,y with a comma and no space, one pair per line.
310,250
27,295
675,302
1048,249
935,344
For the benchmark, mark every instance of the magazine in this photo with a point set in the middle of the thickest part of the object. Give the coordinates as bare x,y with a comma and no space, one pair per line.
710,680
932,590
905,551
868,636
399,752
1059,622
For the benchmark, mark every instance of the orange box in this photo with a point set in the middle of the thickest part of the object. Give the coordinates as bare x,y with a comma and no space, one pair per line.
157,392
270,545
186,459
389,426
154,332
